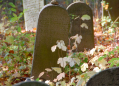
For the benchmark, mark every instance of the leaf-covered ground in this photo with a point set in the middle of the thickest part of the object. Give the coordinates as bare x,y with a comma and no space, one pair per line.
16,53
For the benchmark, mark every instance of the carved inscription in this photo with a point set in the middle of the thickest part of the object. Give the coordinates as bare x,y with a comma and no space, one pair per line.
32,9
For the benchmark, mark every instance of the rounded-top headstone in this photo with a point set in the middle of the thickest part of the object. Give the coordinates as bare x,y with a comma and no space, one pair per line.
53,25
31,83
108,77
76,11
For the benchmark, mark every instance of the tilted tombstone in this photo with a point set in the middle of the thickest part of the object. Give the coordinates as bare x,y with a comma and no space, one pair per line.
32,9
82,27
108,77
53,25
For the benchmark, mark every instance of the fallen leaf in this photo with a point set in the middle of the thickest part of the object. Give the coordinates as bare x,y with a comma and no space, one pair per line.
60,76
84,25
41,74
57,69
48,69
84,66
85,17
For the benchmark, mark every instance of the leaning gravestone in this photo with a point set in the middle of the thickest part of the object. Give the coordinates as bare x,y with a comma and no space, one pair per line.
32,9
82,27
53,25
108,77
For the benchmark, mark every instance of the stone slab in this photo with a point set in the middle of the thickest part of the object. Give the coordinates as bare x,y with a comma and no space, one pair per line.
108,77
80,9
53,25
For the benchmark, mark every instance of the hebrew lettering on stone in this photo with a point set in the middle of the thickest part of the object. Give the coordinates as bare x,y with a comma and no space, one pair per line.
32,9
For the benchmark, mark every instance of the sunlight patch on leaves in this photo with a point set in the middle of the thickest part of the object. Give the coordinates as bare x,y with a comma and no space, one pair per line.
96,69
10,39
93,60
83,67
102,64
78,39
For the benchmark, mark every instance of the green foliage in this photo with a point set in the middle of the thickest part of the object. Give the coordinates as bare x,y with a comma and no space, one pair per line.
16,47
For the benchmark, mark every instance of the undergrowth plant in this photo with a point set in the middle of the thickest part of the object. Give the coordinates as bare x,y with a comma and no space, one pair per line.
16,47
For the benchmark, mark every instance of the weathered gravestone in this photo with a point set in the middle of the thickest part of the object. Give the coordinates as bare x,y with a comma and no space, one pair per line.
32,9
108,77
114,12
31,83
53,25
63,3
76,11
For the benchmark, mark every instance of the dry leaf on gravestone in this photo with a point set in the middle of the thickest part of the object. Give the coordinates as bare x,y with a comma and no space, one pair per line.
84,25
57,69
78,39
42,73
85,17
75,46
53,48
74,37
60,76
48,69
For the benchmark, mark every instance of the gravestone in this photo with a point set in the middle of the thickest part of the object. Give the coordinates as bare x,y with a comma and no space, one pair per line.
77,10
108,77
53,25
31,83
32,9
63,3
114,12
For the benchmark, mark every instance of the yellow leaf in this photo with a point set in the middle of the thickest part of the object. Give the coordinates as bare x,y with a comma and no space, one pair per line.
57,69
